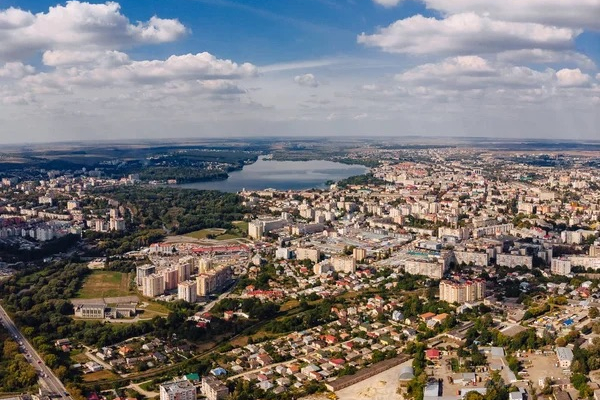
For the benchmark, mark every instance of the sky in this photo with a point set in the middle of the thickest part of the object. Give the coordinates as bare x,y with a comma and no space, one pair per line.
240,68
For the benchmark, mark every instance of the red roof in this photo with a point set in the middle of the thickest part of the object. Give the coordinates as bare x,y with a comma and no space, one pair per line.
432,353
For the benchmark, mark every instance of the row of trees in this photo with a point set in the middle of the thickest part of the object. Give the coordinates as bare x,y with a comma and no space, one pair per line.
16,374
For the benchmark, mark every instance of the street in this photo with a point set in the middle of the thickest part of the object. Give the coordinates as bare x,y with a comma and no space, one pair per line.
46,376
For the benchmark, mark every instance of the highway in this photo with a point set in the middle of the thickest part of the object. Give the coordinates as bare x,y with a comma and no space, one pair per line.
45,374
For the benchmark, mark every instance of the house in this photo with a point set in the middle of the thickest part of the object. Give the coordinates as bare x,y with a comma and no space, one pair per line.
433,354
565,356
427,316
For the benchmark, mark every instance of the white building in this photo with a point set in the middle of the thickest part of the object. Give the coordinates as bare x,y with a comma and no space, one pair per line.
153,285
178,390
187,291
213,388
560,266
143,271
283,253
565,356
344,264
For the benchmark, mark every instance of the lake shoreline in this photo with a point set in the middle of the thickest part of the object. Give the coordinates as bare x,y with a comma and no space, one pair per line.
266,173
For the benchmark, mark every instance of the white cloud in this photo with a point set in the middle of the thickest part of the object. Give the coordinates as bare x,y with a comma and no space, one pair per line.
466,33
572,78
16,70
387,3
569,13
62,58
201,66
539,56
473,72
307,80
79,26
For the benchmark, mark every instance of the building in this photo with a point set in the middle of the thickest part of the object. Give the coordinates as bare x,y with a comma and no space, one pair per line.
359,254
213,281
514,260
72,205
171,278
431,268
493,230
565,356
283,253
95,311
116,224
213,388
308,254
257,228
153,285
184,270
144,271
204,264
178,390
462,291
560,266
472,258
585,262
187,291
343,264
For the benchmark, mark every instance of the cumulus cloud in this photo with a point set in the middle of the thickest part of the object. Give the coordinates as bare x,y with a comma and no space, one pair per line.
65,58
79,25
307,80
473,72
387,3
572,13
201,66
539,56
466,33
16,70
572,78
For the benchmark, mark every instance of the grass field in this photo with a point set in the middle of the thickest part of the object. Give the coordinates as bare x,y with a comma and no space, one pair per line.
152,309
242,226
99,376
219,234
203,233
105,284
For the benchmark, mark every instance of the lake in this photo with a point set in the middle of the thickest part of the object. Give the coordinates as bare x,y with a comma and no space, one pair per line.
281,175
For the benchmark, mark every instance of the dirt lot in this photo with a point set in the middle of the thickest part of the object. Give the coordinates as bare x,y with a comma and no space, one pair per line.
382,386
539,367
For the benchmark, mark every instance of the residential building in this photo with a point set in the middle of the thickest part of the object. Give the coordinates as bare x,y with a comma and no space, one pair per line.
187,291
565,356
144,271
213,388
178,390
560,266
153,285
462,291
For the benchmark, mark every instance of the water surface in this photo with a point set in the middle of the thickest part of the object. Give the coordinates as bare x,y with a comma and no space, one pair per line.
282,175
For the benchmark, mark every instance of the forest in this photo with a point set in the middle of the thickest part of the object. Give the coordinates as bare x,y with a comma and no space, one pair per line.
179,211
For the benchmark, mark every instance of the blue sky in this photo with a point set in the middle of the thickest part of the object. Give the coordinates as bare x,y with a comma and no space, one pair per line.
299,67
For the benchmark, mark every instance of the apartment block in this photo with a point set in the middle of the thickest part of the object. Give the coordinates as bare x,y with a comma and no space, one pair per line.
462,291
177,390
187,291
153,285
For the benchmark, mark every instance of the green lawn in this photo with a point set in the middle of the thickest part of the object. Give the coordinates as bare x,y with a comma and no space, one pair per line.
218,233
242,226
105,284
203,233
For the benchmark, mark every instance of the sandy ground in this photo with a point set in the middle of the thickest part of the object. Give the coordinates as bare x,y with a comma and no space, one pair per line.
379,387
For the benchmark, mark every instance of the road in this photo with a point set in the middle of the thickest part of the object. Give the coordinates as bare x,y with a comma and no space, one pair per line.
46,376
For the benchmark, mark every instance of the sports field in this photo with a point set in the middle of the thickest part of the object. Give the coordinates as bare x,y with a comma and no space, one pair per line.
105,284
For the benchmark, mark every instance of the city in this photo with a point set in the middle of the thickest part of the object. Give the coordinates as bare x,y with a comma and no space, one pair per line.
300,200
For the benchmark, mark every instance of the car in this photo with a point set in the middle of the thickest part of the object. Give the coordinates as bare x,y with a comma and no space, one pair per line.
39,362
